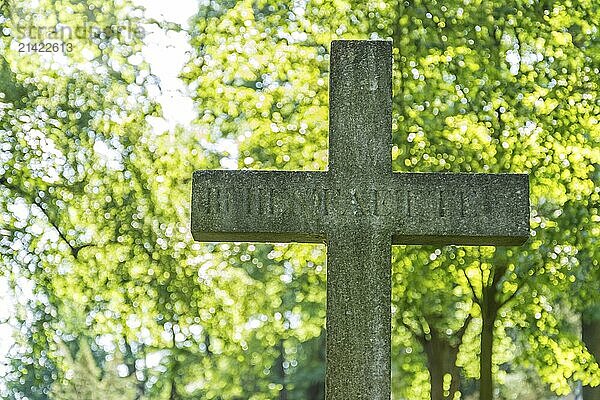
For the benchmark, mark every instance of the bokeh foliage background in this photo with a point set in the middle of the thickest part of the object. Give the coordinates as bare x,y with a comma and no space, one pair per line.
111,299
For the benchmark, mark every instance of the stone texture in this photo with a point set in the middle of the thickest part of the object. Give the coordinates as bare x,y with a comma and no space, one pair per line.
359,208
414,208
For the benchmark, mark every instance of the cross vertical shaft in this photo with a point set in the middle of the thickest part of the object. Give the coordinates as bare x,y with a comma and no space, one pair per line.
360,109
358,314
358,261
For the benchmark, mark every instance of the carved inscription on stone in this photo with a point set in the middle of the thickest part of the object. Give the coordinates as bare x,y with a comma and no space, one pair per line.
351,202
256,201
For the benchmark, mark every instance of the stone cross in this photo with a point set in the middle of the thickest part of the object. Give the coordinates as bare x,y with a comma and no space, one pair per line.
359,208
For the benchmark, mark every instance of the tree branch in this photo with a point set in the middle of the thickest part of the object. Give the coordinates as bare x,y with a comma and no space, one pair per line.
31,198
498,274
460,333
419,336
476,299
512,296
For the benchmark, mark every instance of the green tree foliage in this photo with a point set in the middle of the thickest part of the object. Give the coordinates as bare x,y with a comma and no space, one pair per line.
479,87
64,127
84,379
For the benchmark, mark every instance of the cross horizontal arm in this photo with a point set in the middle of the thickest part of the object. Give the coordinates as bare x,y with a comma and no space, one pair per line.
257,206
461,209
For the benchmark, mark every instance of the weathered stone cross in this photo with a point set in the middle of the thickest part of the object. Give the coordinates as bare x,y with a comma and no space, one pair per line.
359,208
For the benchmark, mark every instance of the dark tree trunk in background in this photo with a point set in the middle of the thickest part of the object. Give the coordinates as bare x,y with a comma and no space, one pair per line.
441,360
174,365
283,395
486,384
590,334
316,389
442,351
489,313
173,390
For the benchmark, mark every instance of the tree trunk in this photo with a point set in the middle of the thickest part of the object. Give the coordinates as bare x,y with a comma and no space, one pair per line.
590,334
489,313
455,374
173,389
436,372
441,361
281,371
141,383
316,390
486,385
174,365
